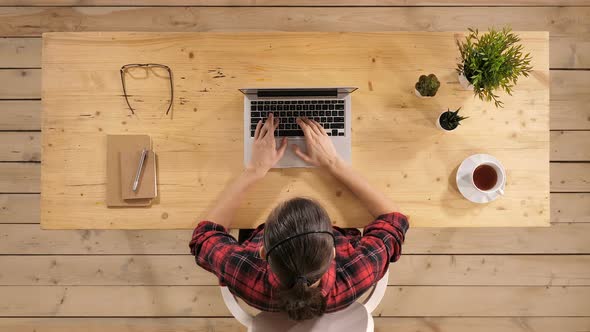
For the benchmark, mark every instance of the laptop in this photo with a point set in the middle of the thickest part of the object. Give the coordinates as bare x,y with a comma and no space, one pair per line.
328,106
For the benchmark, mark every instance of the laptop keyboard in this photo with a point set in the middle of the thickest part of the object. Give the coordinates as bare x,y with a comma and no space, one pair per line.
329,113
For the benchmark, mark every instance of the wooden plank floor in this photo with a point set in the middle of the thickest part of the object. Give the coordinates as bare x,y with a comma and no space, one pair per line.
514,280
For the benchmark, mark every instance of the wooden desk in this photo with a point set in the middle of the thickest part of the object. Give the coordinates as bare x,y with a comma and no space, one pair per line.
395,142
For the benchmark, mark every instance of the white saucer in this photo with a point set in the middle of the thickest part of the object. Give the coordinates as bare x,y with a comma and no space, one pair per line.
465,185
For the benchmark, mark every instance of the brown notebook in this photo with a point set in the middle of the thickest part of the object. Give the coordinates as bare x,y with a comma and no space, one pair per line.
147,180
117,144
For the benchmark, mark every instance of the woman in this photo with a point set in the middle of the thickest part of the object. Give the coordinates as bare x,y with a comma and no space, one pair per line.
297,261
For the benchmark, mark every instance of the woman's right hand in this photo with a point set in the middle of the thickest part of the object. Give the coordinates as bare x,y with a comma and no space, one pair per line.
320,149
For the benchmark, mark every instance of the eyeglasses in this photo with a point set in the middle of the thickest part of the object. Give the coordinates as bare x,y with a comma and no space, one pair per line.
147,66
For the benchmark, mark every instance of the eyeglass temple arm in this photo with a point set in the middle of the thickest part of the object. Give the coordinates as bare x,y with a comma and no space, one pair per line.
122,71
171,90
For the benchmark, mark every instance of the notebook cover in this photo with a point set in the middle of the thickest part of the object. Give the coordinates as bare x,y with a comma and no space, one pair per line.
147,180
115,145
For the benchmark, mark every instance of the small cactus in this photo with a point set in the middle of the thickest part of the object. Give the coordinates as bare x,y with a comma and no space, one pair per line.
427,85
450,120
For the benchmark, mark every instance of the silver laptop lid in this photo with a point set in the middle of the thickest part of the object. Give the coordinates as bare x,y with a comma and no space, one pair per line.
332,92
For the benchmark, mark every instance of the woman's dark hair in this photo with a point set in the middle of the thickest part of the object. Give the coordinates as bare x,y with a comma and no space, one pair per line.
301,260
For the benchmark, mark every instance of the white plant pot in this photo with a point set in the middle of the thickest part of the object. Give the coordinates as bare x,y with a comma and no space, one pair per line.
465,84
439,126
417,93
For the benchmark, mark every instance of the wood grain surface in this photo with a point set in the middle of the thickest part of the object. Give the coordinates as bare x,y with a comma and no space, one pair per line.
190,301
25,208
20,114
569,145
20,146
20,52
23,84
570,207
200,148
382,324
570,100
19,208
570,177
20,178
562,238
558,254
423,270
568,26
295,3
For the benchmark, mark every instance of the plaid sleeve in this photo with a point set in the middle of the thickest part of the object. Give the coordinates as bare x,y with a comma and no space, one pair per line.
211,245
382,241
360,268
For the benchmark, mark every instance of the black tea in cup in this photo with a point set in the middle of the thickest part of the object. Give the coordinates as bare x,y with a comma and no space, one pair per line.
485,177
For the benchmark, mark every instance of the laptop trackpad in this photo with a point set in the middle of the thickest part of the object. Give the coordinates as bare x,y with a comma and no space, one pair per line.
290,159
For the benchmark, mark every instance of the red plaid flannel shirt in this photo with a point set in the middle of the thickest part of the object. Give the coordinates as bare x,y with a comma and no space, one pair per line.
360,261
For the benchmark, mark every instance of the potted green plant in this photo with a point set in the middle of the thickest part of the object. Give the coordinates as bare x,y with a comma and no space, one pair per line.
427,86
491,61
449,120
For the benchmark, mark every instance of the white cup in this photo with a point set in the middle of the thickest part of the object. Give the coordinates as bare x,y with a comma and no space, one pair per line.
501,178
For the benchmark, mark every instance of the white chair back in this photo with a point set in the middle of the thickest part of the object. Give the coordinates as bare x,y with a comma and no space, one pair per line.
356,318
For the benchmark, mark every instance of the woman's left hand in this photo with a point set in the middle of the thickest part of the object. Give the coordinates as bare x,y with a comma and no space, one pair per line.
264,150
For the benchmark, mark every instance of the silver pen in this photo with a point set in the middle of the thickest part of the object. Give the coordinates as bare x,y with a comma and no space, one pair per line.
139,169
